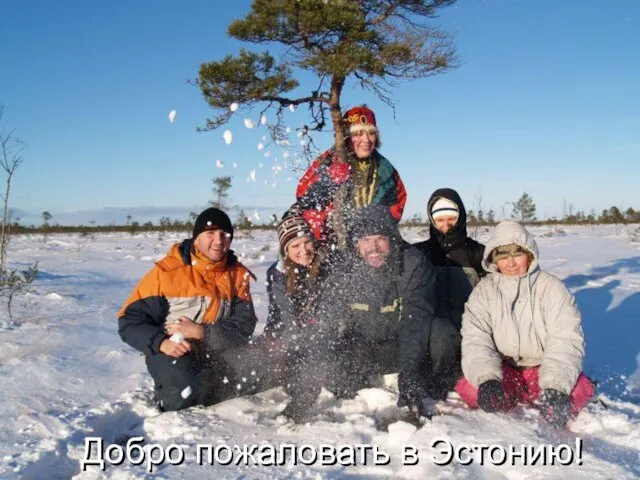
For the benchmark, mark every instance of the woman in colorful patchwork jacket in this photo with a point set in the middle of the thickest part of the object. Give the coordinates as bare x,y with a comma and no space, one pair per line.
188,314
365,178
521,334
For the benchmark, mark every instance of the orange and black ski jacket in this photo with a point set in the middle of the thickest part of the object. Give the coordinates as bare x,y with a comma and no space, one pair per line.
186,283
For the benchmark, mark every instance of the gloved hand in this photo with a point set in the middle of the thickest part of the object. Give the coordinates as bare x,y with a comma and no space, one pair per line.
411,393
555,407
491,396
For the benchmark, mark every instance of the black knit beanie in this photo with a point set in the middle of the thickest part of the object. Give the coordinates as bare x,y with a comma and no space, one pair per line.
212,219
372,220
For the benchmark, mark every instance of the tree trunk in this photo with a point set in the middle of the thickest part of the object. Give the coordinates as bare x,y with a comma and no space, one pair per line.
339,201
4,233
337,82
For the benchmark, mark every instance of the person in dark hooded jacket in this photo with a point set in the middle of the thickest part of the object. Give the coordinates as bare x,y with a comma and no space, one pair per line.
456,257
378,318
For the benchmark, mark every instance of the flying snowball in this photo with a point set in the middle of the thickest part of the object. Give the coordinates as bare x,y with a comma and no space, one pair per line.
233,107
248,123
235,165
186,393
263,120
252,175
292,107
260,146
219,164
172,116
228,137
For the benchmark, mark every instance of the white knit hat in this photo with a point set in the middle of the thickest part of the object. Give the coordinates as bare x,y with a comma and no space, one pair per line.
444,207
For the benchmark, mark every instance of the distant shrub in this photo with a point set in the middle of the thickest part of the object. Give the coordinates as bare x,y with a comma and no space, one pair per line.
555,232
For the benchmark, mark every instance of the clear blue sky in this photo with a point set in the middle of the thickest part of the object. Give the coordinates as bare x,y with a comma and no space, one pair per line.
546,101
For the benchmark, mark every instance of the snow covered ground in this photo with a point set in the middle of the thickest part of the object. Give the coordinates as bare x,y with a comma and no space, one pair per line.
65,376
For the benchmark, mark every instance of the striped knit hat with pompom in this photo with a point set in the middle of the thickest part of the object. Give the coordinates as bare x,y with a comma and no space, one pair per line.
290,228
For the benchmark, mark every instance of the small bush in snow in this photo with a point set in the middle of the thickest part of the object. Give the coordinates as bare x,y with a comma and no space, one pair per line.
14,283
555,232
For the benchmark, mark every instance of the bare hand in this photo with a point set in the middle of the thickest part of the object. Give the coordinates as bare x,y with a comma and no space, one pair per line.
188,328
175,349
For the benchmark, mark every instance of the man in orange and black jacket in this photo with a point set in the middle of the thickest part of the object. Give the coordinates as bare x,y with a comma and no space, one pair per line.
189,315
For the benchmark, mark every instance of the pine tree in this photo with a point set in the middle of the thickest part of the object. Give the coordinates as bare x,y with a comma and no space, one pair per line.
615,215
524,210
46,216
375,43
221,187
242,221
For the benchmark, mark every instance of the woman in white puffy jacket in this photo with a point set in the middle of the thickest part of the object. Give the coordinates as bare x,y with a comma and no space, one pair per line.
521,334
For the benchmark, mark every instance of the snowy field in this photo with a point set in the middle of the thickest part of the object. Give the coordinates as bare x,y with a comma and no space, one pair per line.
66,375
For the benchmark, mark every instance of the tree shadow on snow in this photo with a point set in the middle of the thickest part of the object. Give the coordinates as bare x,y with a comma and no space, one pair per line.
626,457
612,336
53,465
46,276
630,265
113,428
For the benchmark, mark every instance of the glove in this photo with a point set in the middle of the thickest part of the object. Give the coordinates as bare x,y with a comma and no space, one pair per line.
555,407
411,394
491,396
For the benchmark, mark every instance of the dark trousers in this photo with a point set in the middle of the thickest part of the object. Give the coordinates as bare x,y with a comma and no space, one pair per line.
208,378
442,368
344,366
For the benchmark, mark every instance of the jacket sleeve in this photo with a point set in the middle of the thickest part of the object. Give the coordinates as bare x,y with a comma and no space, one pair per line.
333,312
142,316
418,312
281,316
236,328
397,206
273,327
481,360
476,252
390,190
312,192
564,348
